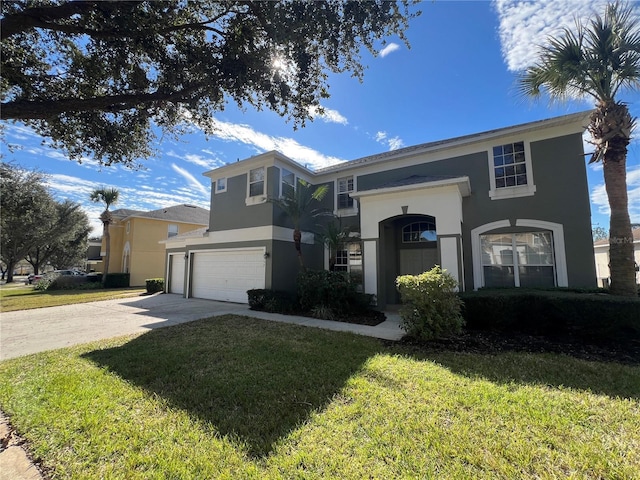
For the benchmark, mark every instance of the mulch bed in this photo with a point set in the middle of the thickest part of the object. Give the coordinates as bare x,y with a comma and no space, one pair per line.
489,342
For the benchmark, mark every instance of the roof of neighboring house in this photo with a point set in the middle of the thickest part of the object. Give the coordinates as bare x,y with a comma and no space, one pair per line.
197,233
605,241
178,213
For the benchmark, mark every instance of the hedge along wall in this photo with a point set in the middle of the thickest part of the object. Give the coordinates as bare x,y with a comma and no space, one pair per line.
592,316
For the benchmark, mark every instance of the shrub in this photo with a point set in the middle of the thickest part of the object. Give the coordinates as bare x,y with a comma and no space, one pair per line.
322,312
155,285
590,316
42,285
273,301
431,308
117,280
333,290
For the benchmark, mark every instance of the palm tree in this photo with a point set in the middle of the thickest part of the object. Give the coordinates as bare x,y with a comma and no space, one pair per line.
108,196
334,236
297,205
598,60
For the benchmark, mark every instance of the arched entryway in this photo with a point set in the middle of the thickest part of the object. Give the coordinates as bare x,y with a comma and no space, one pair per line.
408,246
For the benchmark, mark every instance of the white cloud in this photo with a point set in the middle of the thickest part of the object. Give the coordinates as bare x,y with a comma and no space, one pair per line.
524,26
191,179
395,143
329,115
392,47
392,143
262,142
600,200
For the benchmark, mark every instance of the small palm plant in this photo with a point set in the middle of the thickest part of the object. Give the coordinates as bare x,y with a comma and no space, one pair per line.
333,236
298,205
599,60
107,196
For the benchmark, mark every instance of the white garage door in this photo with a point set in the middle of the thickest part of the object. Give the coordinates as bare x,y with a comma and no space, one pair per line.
226,275
176,280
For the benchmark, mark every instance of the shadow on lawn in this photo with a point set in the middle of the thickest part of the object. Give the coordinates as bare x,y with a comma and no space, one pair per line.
252,380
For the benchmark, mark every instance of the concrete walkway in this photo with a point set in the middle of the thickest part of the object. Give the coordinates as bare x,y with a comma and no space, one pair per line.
30,331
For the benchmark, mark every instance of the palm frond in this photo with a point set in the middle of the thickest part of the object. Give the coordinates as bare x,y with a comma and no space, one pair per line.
598,58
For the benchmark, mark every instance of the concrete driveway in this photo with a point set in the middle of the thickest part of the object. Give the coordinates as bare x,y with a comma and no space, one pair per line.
31,331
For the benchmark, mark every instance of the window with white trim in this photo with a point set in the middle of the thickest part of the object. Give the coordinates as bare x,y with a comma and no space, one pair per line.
509,165
518,259
221,185
128,226
349,259
511,171
256,182
288,182
417,232
345,188
172,231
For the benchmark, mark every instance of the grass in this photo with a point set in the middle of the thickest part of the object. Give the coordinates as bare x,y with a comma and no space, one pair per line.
234,397
24,297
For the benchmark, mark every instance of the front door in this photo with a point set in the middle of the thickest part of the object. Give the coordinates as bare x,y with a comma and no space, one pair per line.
415,261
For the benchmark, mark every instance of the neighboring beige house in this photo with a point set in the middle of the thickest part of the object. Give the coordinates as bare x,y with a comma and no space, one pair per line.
601,251
136,236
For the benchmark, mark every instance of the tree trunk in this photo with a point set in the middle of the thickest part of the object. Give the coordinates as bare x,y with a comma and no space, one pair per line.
297,241
10,266
610,127
106,220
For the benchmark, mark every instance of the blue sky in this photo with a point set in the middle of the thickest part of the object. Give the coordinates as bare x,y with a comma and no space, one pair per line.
458,78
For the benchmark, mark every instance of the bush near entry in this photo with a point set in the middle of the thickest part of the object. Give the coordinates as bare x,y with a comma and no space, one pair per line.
324,294
587,315
430,305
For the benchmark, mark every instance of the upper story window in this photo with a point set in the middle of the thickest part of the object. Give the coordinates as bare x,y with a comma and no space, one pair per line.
221,185
511,171
128,226
172,231
509,165
419,232
256,182
288,184
345,188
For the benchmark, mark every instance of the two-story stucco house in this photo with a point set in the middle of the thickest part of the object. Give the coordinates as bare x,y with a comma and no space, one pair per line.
136,235
503,208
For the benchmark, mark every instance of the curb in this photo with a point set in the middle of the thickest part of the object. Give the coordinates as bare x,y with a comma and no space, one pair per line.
15,463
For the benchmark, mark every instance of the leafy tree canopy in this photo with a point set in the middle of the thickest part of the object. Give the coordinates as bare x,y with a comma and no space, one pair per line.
34,226
94,75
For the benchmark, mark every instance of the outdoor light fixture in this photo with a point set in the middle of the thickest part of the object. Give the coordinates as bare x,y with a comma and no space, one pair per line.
266,255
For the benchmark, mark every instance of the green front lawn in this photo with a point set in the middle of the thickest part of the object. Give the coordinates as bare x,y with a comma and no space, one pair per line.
25,297
234,397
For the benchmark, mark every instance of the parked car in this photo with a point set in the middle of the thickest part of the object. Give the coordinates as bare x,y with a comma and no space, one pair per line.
32,278
70,273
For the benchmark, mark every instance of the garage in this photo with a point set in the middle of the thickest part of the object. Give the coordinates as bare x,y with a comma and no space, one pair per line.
226,275
176,274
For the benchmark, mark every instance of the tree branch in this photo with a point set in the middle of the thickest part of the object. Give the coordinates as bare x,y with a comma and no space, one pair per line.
44,109
45,17
34,17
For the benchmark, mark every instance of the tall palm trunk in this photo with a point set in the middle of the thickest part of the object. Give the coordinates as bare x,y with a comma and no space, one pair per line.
106,220
610,128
